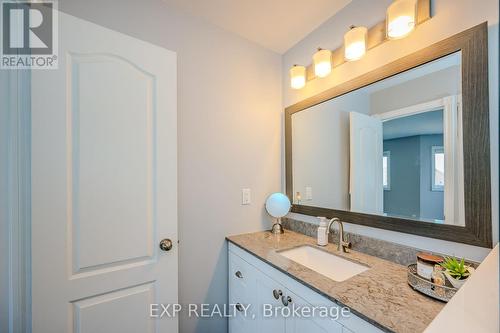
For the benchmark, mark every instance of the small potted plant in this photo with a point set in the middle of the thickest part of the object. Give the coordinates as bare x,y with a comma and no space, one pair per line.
456,271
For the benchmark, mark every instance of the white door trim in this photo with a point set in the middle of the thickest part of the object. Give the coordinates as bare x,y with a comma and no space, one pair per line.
413,109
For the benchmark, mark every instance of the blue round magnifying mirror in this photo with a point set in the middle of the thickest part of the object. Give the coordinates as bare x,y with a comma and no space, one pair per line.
278,205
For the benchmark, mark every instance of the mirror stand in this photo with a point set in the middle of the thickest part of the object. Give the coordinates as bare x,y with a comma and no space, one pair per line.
277,228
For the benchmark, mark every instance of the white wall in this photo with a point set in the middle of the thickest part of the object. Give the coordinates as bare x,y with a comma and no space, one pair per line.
433,86
450,17
229,97
321,150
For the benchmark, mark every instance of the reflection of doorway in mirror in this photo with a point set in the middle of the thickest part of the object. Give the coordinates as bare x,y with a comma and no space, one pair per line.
425,139
408,162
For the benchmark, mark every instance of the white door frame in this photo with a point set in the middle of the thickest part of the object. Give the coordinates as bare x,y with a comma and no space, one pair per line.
18,217
452,123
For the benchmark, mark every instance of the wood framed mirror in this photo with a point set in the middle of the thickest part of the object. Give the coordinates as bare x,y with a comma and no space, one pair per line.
405,147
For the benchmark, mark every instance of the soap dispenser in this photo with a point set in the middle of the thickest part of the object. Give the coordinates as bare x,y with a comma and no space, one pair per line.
323,231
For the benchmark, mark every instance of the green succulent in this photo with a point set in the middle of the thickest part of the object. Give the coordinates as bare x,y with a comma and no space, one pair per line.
456,269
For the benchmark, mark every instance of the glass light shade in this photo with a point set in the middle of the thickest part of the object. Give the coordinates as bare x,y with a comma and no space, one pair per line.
322,62
297,77
355,43
401,18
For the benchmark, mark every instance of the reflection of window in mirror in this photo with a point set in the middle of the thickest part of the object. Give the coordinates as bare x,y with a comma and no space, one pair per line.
437,168
386,168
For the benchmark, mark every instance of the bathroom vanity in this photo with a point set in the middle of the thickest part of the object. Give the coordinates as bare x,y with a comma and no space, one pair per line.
287,270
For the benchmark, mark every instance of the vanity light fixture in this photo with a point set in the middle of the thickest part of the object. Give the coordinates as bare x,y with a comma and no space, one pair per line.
401,18
355,43
297,77
322,60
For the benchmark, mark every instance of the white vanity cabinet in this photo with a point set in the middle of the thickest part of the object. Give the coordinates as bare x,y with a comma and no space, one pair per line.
255,283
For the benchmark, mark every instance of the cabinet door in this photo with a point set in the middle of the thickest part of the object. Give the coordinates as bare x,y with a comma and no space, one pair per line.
302,321
269,318
241,290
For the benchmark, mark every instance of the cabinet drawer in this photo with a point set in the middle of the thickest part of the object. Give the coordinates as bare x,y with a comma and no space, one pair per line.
241,273
241,280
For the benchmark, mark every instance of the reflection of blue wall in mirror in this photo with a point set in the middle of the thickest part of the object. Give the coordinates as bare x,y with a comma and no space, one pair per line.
403,199
410,194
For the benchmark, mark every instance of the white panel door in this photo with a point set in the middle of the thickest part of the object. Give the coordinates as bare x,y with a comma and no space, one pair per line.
366,186
104,184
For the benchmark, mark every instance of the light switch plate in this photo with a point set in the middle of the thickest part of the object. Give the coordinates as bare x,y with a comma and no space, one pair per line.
246,196
309,193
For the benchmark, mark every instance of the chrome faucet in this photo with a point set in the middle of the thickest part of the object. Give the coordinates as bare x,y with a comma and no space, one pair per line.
343,244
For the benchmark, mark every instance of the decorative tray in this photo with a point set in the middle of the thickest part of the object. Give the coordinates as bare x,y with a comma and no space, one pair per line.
442,293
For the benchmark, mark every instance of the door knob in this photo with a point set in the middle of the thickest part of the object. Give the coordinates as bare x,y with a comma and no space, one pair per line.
286,300
166,244
277,293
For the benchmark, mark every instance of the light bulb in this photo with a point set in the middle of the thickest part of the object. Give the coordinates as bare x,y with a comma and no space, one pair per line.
322,62
355,43
401,18
297,77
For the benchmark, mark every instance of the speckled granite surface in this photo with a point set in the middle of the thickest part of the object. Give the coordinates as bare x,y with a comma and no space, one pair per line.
397,253
400,254
380,295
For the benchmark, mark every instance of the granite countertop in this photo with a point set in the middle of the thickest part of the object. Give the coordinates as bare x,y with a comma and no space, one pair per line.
380,295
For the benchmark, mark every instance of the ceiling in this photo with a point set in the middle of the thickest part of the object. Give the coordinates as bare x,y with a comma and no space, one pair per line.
426,123
274,24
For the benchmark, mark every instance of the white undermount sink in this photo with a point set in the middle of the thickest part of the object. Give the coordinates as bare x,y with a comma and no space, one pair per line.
325,263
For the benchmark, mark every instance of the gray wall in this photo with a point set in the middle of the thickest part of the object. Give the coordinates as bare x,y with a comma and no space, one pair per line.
449,17
4,214
411,175
229,112
403,199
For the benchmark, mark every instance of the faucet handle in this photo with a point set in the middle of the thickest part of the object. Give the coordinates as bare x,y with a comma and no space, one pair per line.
346,244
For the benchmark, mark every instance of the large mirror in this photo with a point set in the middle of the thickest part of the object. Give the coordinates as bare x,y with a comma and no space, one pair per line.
399,152
381,149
